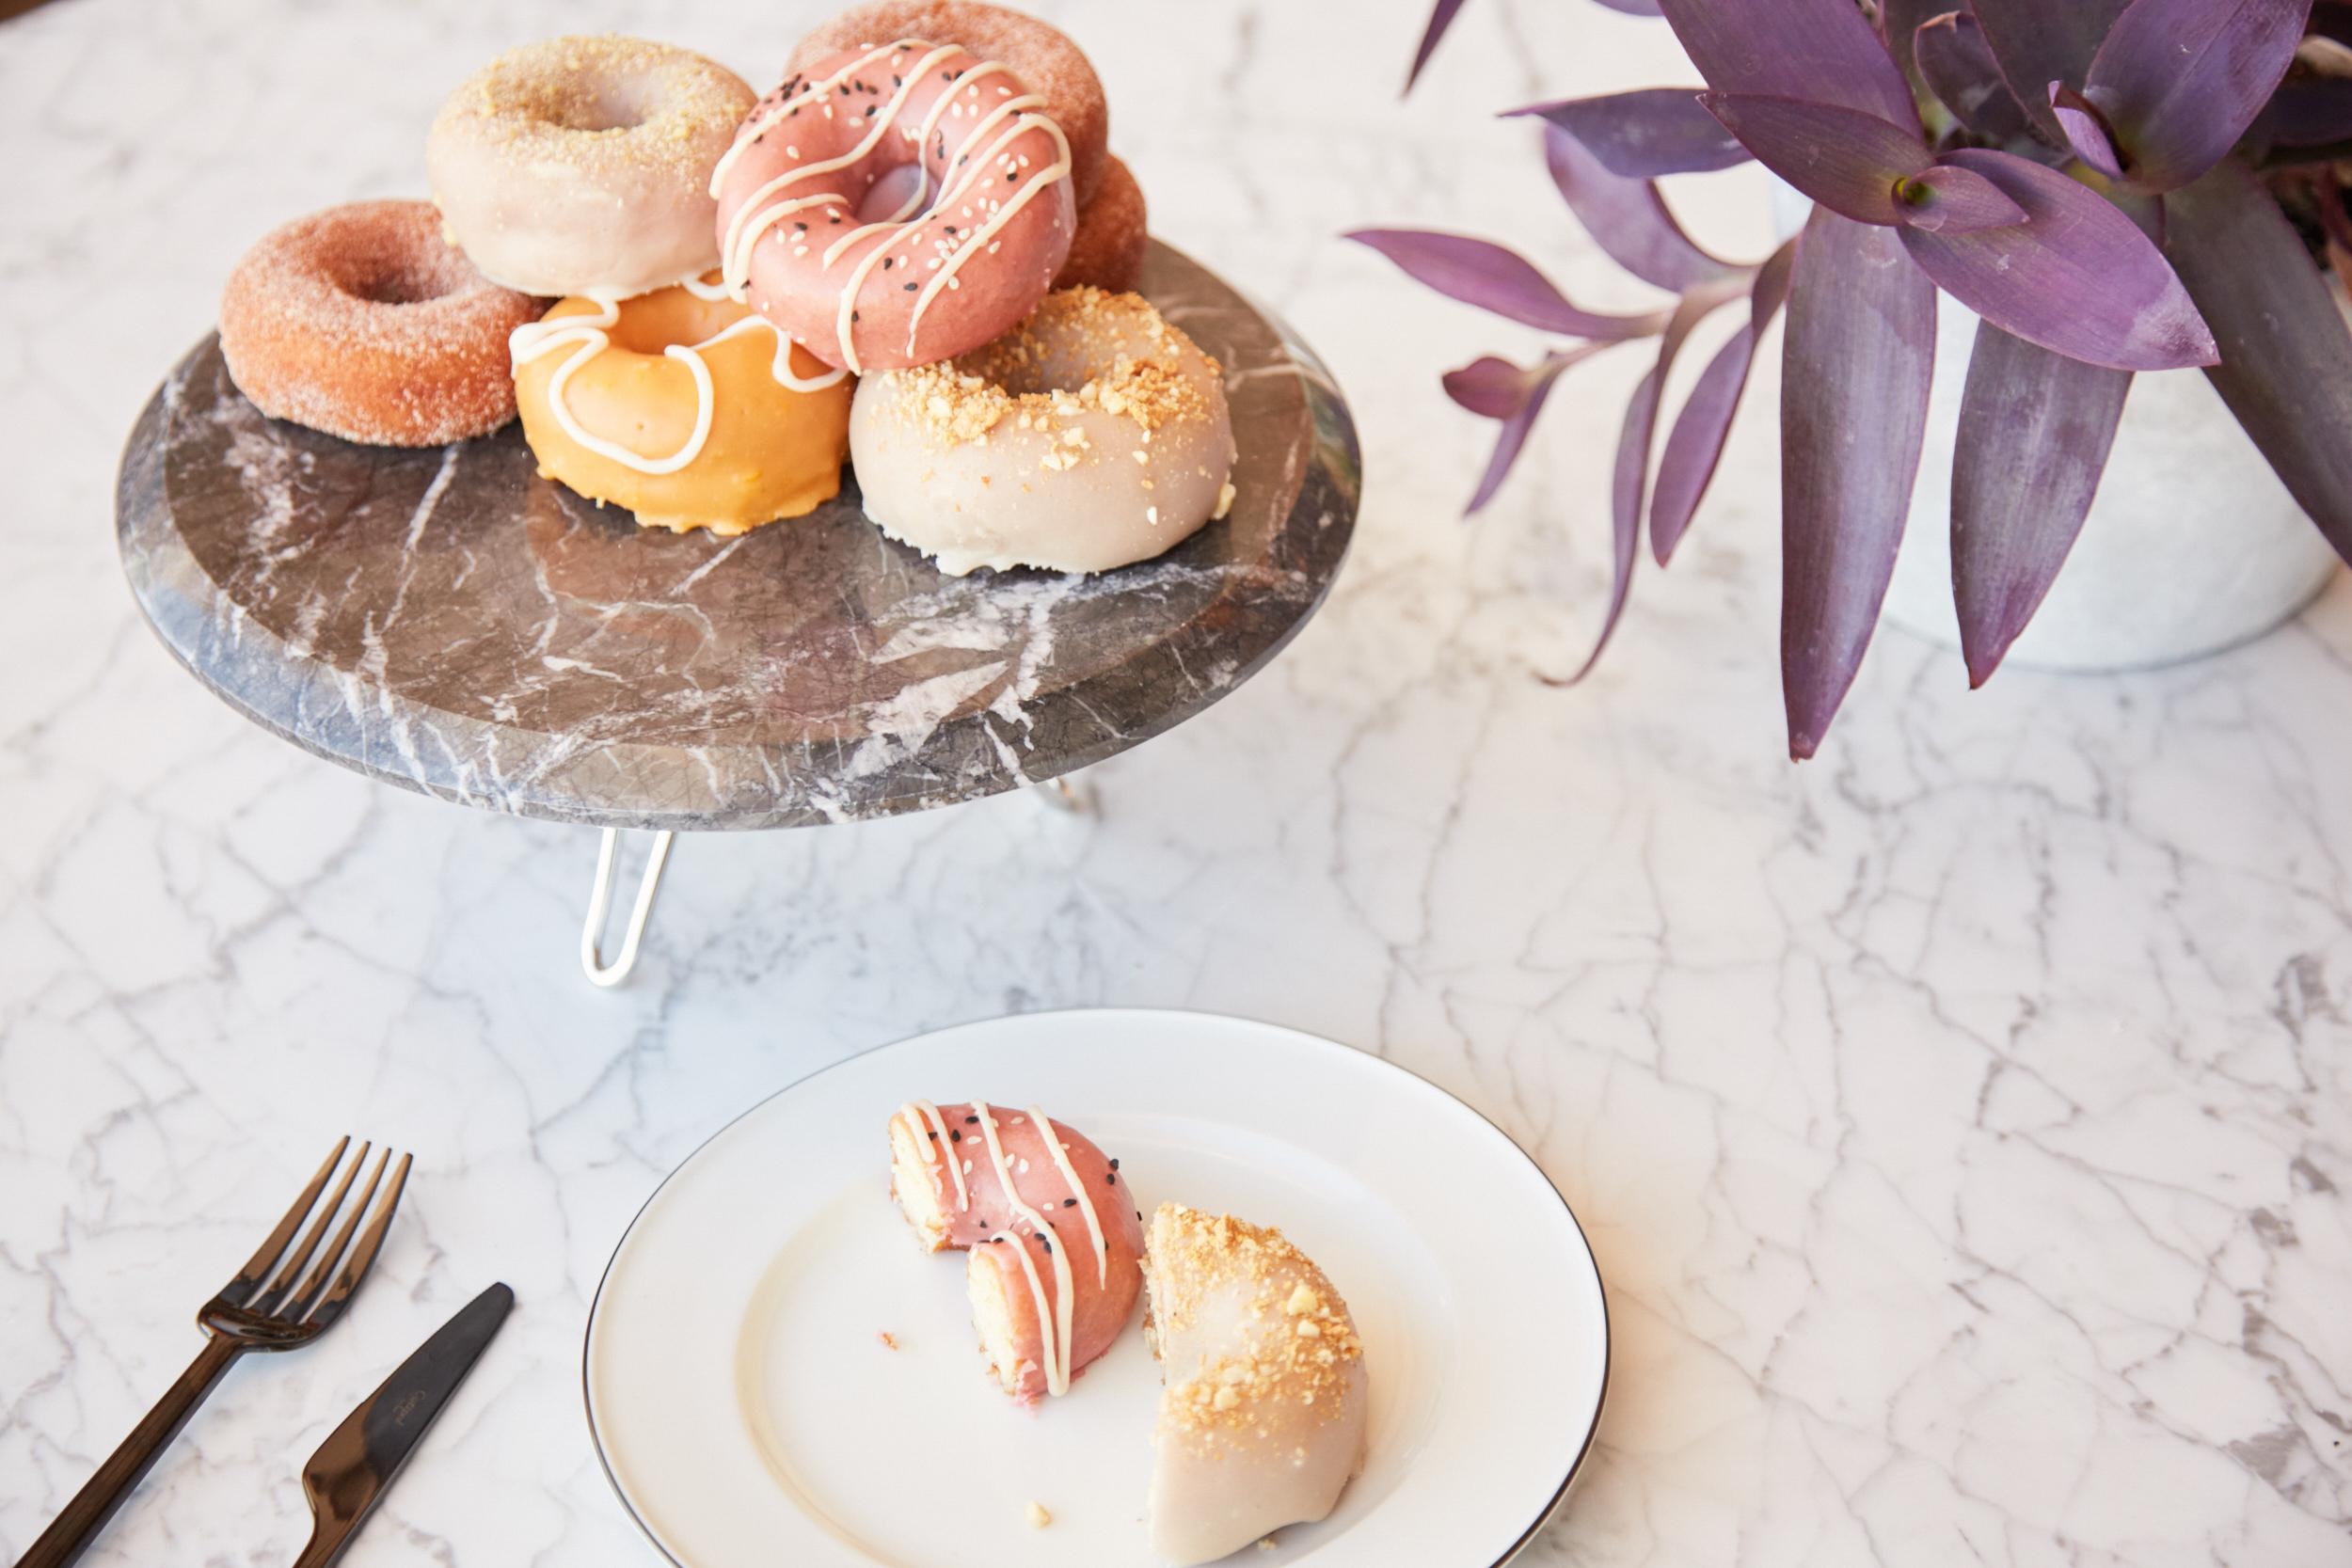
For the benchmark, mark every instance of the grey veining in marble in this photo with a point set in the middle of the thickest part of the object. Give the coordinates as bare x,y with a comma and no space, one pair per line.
449,621
1962,1121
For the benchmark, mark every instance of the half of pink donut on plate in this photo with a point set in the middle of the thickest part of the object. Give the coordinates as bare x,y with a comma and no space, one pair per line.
1055,1242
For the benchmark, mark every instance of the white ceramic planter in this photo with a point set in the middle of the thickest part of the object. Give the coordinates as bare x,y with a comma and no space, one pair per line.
2192,544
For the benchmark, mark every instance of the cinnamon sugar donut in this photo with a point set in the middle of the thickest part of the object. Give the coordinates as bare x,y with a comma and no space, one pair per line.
1091,435
580,165
1054,68
363,322
1107,250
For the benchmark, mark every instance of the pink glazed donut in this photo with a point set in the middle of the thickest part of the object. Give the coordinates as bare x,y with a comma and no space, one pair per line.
896,206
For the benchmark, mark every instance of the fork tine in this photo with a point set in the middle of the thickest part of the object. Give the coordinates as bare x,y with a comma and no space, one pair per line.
290,1269
323,1309
248,1277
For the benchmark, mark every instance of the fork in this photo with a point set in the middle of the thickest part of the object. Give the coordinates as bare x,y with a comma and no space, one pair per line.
271,1305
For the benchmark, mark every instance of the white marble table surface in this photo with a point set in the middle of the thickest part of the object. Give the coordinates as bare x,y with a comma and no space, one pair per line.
1961,1119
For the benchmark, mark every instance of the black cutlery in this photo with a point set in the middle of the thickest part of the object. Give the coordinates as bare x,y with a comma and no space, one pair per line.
349,1474
271,1305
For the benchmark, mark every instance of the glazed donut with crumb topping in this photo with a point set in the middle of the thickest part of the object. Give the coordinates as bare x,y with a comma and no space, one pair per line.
902,205
361,321
1091,435
579,164
1108,251
1054,68
683,406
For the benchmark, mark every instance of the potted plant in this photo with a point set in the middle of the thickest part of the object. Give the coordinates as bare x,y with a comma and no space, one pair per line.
2106,190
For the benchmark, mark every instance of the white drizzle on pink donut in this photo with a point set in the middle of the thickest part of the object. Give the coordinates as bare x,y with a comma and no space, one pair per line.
1060,1151
751,221
1053,1324
592,335
919,1112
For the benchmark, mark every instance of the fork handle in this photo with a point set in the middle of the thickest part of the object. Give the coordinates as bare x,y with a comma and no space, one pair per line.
95,1503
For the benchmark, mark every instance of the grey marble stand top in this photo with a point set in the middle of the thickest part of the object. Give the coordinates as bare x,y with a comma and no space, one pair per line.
448,621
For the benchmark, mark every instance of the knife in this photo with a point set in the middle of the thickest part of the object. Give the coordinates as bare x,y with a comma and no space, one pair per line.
354,1466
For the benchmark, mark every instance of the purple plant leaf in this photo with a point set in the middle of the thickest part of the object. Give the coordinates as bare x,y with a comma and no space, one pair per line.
1949,199
2314,112
1646,135
1857,364
2077,276
1823,50
1627,218
1845,159
2181,80
1959,68
2287,355
2085,129
1499,389
1899,20
1633,8
2035,429
1441,16
1629,482
1480,272
2041,42
1695,443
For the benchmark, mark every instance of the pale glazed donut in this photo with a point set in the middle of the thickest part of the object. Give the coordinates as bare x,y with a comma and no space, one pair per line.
1053,1240
580,165
1054,68
904,204
683,406
1108,251
1264,1403
361,321
1091,435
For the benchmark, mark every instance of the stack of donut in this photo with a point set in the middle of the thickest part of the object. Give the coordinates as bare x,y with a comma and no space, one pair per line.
913,253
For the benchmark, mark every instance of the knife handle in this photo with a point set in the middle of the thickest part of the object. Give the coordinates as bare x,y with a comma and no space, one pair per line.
72,1530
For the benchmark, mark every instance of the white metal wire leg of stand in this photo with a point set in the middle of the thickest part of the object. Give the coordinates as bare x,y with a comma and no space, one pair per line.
1062,795
601,905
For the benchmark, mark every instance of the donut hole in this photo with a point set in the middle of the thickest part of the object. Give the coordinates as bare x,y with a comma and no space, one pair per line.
655,322
1041,369
386,278
891,192
594,105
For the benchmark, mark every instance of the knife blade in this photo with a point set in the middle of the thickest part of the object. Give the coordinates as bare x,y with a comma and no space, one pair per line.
351,1471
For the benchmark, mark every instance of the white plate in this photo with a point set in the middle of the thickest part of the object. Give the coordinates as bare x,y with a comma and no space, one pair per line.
751,1415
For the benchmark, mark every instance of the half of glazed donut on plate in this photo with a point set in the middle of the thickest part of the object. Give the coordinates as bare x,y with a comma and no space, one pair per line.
1054,1238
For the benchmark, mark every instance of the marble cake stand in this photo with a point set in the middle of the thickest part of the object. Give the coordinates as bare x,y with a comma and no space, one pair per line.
447,621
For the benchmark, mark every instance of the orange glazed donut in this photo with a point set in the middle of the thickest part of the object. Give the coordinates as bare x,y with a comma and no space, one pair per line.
1056,69
903,205
683,406
1108,253
361,321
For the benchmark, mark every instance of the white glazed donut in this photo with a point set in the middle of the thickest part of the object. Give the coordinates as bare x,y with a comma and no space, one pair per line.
1264,1402
581,165
1091,435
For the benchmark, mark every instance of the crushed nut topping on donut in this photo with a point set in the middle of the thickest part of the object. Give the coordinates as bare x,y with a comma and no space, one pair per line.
1302,1350
1015,379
